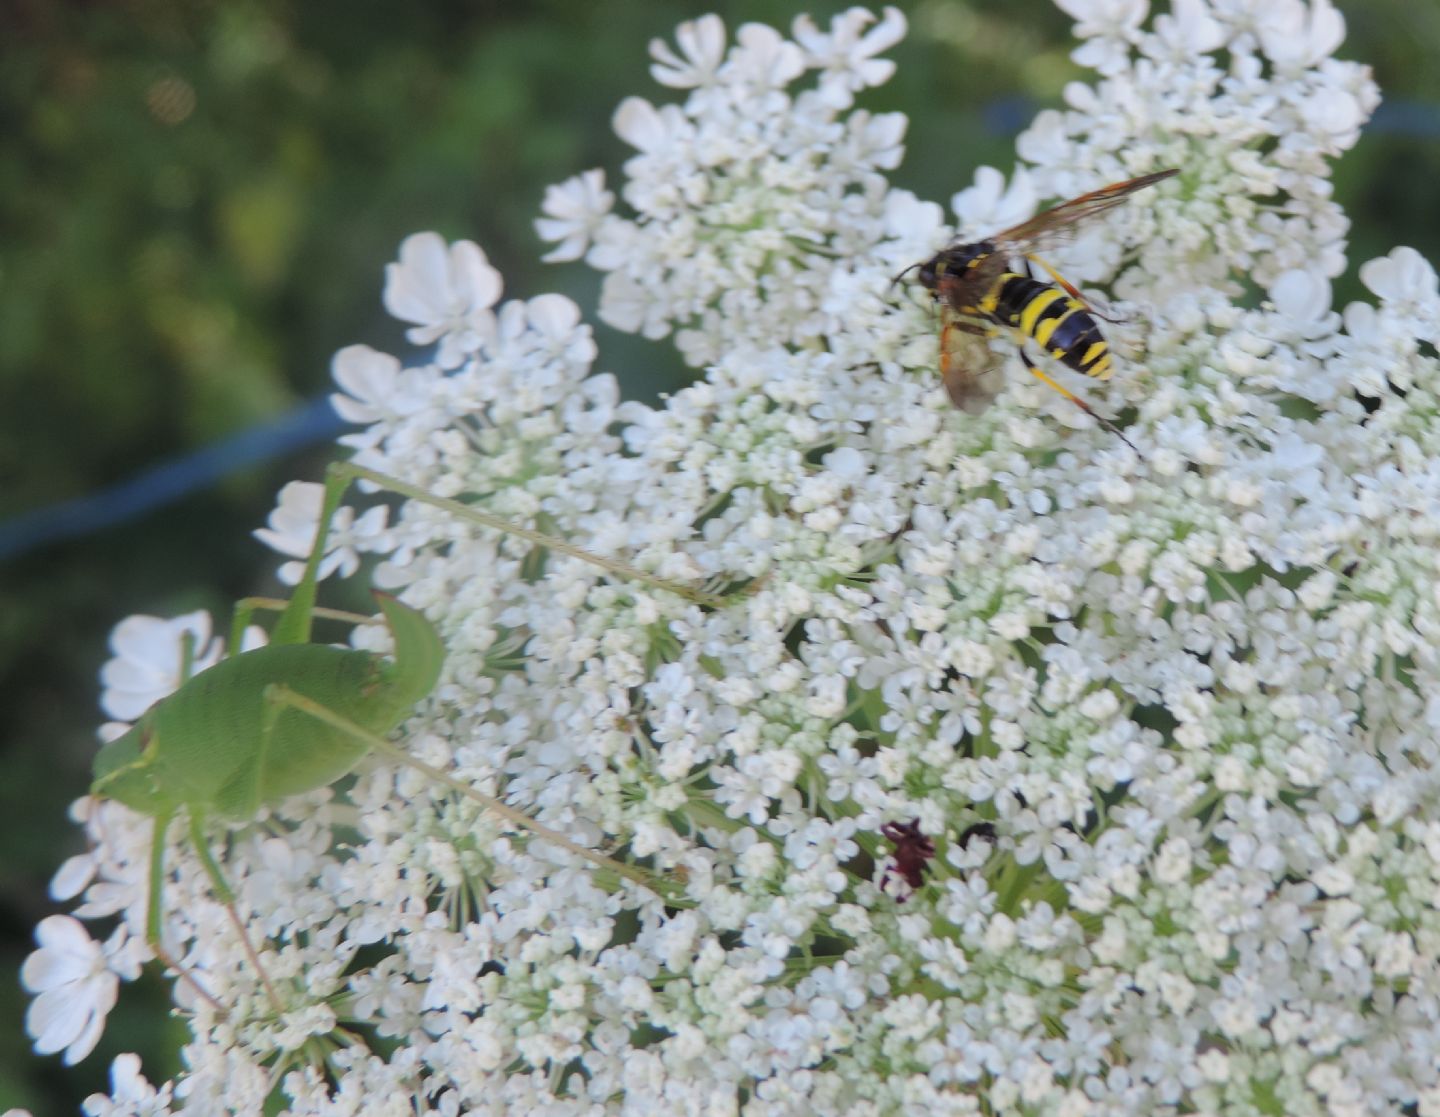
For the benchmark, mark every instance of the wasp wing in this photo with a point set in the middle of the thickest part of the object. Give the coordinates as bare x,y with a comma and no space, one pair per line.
1055,225
971,372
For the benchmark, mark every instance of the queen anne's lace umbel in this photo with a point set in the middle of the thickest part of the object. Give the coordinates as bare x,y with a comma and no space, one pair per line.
1194,692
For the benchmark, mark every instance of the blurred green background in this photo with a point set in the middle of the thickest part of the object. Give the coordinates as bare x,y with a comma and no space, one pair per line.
196,202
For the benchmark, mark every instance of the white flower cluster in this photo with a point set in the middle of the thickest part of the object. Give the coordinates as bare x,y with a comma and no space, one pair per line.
738,190
1170,720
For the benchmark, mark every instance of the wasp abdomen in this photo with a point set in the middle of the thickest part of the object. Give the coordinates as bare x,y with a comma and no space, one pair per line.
1061,325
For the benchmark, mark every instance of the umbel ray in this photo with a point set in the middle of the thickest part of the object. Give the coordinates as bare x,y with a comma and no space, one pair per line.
293,716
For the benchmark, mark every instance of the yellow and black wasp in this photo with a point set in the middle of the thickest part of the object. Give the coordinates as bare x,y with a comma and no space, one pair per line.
980,295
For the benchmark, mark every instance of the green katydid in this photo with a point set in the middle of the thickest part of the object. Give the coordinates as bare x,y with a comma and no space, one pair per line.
292,716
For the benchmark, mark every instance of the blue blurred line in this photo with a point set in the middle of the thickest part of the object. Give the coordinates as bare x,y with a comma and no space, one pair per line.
1007,116
1406,118
308,424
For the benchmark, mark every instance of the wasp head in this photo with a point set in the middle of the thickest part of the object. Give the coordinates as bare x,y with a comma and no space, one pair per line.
952,261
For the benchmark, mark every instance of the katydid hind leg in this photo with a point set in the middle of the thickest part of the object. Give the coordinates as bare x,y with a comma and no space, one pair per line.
226,895
291,699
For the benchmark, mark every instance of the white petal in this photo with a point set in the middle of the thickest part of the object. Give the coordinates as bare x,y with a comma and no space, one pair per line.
152,639
472,279
54,1020
126,1081
553,316
67,953
73,876
765,57
990,205
411,285
639,124
571,246
908,218
369,377
92,1028
1301,295
292,522
702,46
1402,275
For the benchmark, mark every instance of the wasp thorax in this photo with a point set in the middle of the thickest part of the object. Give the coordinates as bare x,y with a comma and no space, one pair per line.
955,260
962,256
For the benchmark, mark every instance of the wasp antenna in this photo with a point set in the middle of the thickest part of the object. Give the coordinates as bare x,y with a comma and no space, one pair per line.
903,274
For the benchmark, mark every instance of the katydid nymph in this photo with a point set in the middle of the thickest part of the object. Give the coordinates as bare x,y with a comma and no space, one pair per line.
293,716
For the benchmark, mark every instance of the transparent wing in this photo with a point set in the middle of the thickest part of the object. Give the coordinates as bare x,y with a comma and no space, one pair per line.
972,374
1054,226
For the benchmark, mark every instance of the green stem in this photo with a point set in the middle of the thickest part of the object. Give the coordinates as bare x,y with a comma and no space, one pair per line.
469,512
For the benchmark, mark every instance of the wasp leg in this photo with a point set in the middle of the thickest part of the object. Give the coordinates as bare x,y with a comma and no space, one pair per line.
1073,398
1070,288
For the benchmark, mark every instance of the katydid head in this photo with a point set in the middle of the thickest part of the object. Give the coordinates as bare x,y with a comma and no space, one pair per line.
124,772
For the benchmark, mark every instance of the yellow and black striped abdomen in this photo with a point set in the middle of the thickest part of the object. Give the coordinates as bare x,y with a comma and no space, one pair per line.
1061,325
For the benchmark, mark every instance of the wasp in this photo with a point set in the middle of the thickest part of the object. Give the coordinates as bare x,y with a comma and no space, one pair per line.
980,296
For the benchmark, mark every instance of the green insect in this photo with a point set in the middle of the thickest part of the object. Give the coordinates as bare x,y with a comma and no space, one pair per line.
292,717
